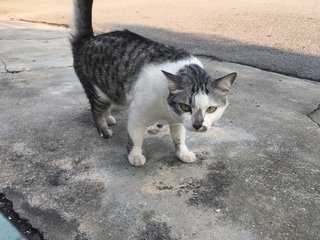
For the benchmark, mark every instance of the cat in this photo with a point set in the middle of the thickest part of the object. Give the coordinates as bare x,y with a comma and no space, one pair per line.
156,81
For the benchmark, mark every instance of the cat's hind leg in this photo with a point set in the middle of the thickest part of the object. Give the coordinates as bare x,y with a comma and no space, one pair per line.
106,109
101,119
178,133
107,115
101,110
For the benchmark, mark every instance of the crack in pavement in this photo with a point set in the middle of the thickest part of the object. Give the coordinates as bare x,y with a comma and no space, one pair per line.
309,115
45,68
6,69
30,70
43,22
31,39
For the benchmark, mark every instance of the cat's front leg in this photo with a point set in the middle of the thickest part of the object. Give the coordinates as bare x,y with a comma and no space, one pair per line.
178,133
135,139
136,130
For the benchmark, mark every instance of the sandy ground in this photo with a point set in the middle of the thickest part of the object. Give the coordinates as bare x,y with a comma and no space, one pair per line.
288,25
252,32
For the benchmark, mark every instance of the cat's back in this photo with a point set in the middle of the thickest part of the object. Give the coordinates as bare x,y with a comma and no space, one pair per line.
113,61
135,46
123,52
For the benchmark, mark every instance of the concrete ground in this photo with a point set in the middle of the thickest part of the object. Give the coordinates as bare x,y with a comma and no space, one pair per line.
257,174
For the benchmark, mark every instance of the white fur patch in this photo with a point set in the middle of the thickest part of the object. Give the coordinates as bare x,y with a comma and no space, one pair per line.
149,96
201,101
101,94
210,118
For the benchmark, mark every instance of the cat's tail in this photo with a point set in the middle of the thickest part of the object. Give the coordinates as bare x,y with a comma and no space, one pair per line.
82,20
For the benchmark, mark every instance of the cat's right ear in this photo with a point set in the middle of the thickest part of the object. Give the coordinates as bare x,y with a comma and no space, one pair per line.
224,84
172,80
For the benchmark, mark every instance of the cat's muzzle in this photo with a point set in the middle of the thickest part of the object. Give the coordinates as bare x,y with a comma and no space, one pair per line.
200,128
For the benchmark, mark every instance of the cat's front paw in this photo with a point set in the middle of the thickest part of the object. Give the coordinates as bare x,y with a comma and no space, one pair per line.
137,160
186,156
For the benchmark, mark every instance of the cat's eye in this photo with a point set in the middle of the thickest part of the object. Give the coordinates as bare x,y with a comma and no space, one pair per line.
185,107
211,109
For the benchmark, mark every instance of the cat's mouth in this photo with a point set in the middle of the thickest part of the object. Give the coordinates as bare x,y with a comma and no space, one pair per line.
201,129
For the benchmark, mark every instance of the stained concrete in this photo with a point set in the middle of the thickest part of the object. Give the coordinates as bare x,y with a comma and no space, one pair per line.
257,175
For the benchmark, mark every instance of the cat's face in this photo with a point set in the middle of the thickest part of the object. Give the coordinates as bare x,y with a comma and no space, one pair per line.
196,98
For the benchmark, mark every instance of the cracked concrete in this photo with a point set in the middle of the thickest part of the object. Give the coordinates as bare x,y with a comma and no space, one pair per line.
6,69
32,54
257,175
42,22
315,115
29,70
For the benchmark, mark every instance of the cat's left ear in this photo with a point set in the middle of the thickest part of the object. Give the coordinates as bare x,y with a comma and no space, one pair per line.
224,84
173,80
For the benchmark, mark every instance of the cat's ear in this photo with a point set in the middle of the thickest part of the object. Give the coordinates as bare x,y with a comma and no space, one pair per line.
172,80
224,84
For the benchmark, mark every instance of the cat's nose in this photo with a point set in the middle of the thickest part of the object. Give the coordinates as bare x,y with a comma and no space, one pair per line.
197,126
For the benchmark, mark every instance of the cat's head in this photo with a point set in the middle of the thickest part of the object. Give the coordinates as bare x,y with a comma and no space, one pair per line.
197,98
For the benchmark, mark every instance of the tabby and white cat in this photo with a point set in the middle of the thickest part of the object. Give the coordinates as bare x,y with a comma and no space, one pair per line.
156,81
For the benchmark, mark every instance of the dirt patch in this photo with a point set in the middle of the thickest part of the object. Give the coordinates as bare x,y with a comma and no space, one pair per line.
154,229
